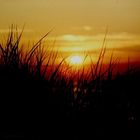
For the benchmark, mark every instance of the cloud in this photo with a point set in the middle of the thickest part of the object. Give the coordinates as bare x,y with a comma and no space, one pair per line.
110,37
130,48
83,28
70,37
87,28
19,30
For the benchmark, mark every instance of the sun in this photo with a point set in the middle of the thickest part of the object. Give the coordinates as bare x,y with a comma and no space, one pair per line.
76,60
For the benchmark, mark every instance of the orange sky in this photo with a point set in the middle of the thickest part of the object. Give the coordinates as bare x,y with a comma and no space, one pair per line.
78,25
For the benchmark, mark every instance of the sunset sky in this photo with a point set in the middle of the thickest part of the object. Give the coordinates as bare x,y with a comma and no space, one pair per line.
78,25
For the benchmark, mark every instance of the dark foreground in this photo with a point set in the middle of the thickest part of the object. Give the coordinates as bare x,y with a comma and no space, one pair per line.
30,109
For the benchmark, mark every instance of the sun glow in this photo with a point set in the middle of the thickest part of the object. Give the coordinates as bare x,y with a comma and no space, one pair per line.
76,60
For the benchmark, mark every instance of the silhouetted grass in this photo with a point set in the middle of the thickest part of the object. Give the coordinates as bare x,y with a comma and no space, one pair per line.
36,96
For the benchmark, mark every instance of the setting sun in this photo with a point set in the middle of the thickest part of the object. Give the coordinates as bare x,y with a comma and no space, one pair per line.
76,60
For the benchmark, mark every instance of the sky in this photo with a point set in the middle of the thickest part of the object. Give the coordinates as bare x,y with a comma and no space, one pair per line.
78,25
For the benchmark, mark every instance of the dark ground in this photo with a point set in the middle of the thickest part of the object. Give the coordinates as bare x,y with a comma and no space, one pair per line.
28,110
34,108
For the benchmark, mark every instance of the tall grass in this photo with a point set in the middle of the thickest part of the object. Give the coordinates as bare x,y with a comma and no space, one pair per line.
39,64
13,57
96,93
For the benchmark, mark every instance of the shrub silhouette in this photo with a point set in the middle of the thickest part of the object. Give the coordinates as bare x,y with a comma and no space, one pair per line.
37,100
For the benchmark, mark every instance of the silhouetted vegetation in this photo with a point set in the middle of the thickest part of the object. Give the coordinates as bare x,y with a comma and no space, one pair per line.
38,101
